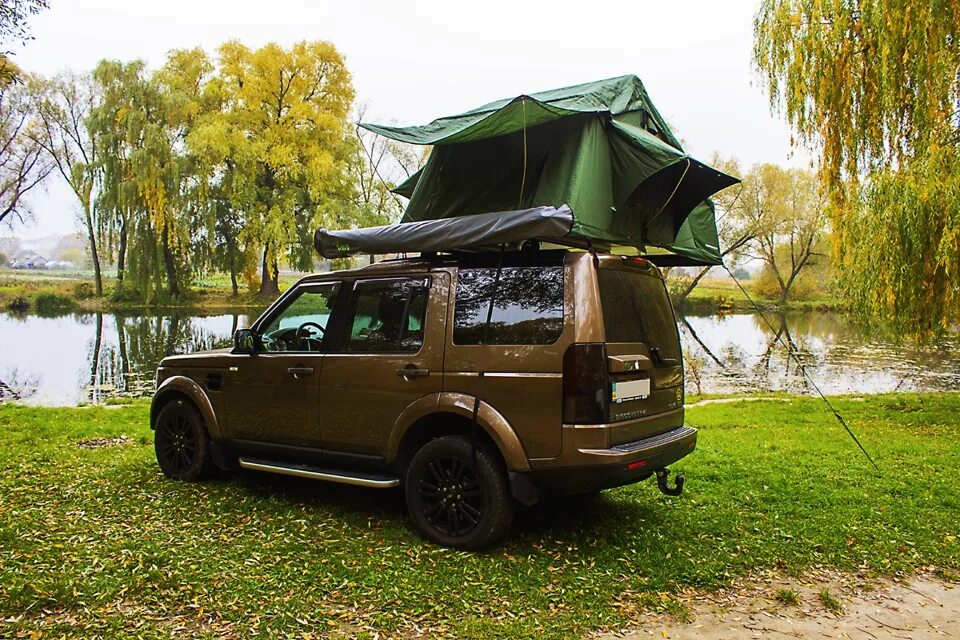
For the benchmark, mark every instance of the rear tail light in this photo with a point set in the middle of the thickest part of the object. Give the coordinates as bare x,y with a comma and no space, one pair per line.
586,385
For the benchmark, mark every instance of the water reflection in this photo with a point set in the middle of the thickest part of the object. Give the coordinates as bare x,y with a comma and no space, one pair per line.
742,352
92,357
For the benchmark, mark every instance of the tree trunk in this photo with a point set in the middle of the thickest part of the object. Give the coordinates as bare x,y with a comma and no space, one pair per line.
95,358
170,264
122,252
269,278
784,293
174,329
693,285
94,252
124,358
233,270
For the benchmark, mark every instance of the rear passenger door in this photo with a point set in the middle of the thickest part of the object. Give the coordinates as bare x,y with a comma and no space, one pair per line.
517,344
388,353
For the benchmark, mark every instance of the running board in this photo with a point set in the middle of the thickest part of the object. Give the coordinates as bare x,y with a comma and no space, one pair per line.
359,479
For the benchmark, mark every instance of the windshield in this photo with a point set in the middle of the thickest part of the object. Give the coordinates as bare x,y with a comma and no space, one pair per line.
636,308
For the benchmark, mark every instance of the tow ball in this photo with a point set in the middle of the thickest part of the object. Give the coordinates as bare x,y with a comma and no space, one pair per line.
663,485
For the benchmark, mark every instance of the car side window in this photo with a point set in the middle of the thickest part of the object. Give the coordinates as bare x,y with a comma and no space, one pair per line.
386,316
527,308
301,325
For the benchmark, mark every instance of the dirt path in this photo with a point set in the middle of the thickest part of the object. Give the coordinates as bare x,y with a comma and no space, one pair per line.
923,607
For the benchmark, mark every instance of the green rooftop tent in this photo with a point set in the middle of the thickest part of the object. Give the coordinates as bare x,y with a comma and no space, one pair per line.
601,148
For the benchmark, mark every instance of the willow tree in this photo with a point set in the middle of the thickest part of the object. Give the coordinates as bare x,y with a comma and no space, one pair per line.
189,98
874,85
142,176
118,199
284,138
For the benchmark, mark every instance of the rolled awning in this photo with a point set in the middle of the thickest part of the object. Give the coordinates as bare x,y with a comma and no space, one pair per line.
472,232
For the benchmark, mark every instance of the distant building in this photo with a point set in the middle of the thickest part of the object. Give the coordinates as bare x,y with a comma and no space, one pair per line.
29,260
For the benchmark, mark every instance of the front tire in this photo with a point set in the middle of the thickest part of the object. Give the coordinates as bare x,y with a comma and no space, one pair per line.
181,442
454,502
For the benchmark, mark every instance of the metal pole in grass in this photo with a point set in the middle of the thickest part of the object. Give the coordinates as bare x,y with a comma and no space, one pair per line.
791,353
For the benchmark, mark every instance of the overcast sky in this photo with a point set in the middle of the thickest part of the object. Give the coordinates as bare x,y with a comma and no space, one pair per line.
414,61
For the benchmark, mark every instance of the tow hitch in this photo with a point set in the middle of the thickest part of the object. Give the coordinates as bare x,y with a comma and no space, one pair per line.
664,487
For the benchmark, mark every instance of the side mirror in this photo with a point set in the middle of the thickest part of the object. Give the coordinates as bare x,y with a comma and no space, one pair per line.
245,341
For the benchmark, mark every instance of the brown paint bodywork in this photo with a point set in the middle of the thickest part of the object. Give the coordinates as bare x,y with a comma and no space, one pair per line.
358,403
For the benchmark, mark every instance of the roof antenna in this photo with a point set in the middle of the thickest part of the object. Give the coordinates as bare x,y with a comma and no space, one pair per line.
791,353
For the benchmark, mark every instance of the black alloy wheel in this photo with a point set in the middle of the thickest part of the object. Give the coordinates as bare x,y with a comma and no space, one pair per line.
455,502
451,495
181,442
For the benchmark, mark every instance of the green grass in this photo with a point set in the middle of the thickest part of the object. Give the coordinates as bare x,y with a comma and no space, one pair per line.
788,597
830,601
723,295
95,542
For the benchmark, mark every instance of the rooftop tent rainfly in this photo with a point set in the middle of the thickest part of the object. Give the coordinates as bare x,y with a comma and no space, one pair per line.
601,148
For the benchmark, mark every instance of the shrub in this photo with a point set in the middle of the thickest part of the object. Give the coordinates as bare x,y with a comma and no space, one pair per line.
46,302
19,304
125,294
83,291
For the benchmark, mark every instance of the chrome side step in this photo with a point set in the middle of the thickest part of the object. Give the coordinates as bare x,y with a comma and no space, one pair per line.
359,479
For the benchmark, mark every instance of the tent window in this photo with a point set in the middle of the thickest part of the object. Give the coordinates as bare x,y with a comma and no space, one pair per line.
528,308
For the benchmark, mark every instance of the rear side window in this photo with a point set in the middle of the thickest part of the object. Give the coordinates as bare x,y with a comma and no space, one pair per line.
386,316
636,309
527,305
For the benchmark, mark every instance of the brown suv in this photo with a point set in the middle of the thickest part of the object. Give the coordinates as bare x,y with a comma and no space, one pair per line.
472,381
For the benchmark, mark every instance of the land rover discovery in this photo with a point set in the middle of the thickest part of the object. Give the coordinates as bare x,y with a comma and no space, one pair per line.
474,382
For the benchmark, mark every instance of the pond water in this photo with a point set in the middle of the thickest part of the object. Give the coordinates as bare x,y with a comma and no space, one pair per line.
88,357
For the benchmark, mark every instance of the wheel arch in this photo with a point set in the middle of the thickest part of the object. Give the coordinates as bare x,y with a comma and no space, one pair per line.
448,414
187,389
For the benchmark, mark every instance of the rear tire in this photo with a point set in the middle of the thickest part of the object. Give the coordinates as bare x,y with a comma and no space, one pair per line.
181,442
454,503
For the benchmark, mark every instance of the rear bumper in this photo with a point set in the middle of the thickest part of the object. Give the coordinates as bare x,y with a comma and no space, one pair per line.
618,465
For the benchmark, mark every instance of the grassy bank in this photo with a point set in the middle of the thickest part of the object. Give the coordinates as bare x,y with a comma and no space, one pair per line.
49,292
94,541
722,295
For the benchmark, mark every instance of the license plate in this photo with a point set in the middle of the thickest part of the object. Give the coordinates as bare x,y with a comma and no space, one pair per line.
630,390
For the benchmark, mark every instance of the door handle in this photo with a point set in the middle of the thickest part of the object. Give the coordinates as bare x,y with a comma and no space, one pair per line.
296,372
411,371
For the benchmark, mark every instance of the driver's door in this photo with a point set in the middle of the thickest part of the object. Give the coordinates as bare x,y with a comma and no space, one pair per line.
272,396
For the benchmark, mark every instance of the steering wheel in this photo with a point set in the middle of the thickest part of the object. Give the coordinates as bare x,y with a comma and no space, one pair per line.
313,325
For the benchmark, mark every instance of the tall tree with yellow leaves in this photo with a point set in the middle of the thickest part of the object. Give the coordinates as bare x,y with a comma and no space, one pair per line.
282,145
